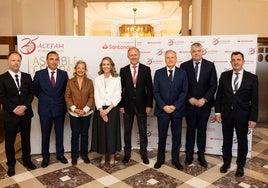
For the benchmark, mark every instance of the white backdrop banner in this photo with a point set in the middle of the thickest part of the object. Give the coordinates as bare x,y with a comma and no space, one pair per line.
217,49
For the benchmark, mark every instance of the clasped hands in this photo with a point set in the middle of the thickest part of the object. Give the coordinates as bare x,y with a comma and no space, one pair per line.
20,110
197,102
79,112
104,114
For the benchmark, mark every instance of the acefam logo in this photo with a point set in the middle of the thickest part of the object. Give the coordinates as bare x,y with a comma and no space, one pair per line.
29,46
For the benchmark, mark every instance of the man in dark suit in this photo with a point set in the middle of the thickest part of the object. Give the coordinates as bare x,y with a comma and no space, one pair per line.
49,87
16,96
236,108
202,79
170,90
137,99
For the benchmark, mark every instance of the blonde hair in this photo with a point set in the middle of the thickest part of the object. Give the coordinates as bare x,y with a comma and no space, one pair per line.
78,63
113,70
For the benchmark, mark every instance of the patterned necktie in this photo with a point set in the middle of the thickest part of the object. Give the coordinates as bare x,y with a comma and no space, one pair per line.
135,75
196,69
52,79
170,76
236,82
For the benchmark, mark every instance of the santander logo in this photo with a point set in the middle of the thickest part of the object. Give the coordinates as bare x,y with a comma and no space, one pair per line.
170,42
104,46
251,51
29,46
215,41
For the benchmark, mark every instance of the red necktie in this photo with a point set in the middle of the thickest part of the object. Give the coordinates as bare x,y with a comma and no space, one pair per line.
135,75
52,79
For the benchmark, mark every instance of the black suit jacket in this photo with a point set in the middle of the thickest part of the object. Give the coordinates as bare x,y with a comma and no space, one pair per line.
10,97
207,85
139,97
243,103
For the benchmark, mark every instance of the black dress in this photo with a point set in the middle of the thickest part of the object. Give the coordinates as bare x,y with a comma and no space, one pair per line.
106,136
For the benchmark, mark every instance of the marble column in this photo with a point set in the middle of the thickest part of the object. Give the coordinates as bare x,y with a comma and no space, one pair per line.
185,4
81,7
68,17
196,17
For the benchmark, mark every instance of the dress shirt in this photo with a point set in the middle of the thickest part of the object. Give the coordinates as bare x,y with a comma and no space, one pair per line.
240,76
132,69
14,78
173,72
107,91
55,74
199,68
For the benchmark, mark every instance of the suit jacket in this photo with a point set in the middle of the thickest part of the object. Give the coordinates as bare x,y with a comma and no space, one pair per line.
170,93
139,97
10,97
243,103
51,102
207,85
79,97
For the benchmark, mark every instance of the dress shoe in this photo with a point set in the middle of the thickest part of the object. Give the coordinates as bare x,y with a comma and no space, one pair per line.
145,159
224,168
158,164
202,160
45,163
178,165
189,158
86,160
126,158
74,161
62,159
11,171
29,164
239,172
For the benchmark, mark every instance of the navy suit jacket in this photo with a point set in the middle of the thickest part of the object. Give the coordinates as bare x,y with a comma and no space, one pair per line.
170,93
139,97
243,103
10,97
51,102
207,84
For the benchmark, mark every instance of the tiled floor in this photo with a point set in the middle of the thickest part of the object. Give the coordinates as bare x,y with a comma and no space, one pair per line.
136,174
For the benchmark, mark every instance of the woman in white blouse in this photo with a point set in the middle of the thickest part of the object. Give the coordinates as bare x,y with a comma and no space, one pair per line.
106,136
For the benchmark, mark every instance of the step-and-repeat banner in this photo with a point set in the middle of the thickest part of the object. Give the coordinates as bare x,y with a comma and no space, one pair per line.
217,49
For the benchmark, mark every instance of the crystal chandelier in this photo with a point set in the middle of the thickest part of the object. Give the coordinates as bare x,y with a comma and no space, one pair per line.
136,30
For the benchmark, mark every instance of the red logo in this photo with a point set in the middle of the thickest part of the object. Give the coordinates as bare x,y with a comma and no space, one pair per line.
160,52
149,61
170,42
29,46
215,41
104,46
251,51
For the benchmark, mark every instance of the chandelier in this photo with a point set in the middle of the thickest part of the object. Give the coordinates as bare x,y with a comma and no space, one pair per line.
136,30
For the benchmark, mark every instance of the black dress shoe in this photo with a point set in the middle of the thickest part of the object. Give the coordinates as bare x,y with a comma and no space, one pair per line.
145,159
62,159
86,160
11,171
239,172
126,158
189,158
158,164
203,162
178,165
29,164
74,161
45,163
224,168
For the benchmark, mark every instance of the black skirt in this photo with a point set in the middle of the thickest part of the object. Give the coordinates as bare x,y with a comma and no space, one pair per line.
106,136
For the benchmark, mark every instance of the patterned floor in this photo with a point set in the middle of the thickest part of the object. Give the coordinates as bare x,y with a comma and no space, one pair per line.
136,174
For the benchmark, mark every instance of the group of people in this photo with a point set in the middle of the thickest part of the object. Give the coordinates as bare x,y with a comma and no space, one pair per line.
185,91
